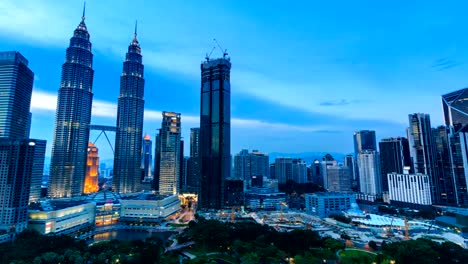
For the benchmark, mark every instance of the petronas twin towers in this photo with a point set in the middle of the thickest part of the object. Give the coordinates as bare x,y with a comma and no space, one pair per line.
73,117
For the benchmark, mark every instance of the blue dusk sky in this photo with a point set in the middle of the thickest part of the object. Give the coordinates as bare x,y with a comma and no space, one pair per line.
305,74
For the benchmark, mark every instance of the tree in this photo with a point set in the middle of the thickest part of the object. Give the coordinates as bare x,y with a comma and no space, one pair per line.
372,245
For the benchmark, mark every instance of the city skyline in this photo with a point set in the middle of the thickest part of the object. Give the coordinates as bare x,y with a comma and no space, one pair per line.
324,121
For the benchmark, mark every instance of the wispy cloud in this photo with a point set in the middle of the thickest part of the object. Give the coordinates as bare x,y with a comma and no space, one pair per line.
340,102
44,101
445,64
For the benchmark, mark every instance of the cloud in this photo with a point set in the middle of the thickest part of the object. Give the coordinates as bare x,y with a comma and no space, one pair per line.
335,103
445,64
44,101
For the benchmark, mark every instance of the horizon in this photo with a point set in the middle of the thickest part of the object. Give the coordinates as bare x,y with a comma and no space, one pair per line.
276,106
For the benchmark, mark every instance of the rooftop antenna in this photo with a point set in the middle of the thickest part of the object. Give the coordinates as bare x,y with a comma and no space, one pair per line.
219,46
136,24
84,11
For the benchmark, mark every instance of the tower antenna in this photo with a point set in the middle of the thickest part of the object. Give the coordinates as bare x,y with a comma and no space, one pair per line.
136,24
84,11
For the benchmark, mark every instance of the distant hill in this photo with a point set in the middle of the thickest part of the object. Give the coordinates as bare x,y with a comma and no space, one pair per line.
309,157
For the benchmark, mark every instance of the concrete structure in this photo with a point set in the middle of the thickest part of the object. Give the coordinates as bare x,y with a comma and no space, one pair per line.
130,111
148,207
326,203
370,179
92,170
73,117
409,190
62,217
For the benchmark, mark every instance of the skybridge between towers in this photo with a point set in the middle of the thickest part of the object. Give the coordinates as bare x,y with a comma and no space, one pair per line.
103,130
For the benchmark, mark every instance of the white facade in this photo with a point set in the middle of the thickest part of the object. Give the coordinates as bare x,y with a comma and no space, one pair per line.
409,188
63,219
370,179
149,210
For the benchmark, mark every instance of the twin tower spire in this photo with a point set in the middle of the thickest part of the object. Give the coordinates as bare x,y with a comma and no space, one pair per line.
73,117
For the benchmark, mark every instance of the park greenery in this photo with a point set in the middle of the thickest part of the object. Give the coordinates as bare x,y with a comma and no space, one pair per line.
220,242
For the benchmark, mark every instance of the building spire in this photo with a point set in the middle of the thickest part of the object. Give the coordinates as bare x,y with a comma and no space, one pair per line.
136,24
84,11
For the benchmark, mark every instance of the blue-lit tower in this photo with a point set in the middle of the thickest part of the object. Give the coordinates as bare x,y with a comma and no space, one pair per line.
73,116
128,143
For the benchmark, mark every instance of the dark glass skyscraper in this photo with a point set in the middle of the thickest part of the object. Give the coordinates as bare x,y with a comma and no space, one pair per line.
127,160
73,116
423,151
193,178
16,83
364,140
215,131
394,156
455,106
444,164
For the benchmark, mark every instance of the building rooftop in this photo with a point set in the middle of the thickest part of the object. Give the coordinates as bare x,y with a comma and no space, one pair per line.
145,196
53,205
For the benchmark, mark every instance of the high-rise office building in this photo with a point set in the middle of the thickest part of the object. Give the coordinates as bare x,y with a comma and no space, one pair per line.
251,164
299,171
339,178
394,156
92,170
316,171
72,119
193,178
215,131
349,162
130,110
370,181
443,162
458,154
409,190
327,161
363,140
37,170
17,157
455,107
283,170
147,158
422,151
169,153
16,83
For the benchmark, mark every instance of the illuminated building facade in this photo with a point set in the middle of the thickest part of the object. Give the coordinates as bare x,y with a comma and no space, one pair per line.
72,119
92,170
169,153
130,110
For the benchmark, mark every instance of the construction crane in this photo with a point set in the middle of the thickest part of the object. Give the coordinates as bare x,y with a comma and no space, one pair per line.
208,55
233,213
389,231
407,236
281,210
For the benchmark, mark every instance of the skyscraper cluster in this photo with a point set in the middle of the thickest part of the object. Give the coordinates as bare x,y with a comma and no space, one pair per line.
435,159
21,158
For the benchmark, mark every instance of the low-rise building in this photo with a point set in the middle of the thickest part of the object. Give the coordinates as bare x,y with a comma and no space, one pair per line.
62,216
264,199
146,207
324,204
